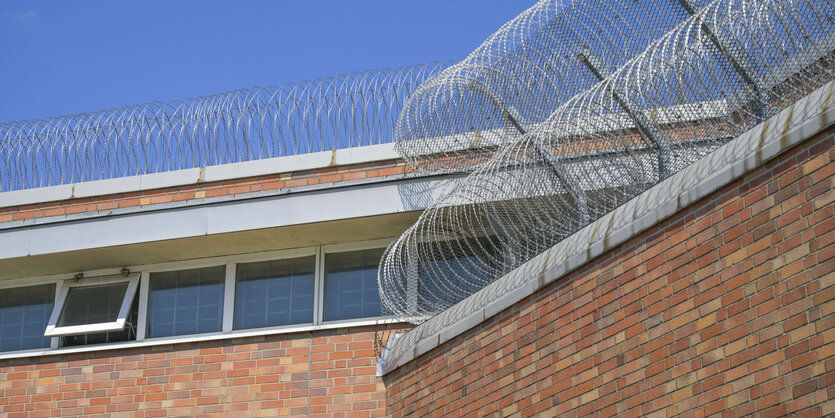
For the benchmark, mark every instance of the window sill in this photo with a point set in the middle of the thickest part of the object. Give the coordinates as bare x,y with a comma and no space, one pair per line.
200,337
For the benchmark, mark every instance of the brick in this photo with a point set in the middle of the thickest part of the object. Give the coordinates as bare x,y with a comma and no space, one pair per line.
220,391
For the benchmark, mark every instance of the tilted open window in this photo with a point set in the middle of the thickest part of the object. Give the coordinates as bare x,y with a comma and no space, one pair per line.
93,305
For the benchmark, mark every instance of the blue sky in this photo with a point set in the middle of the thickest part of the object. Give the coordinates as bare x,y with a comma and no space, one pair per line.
71,57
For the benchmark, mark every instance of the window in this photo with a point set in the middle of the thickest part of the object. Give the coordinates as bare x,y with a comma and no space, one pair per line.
273,293
24,313
351,284
186,302
249,293
93,305
128,333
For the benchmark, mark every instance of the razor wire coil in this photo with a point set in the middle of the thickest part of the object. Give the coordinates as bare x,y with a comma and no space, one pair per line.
564,115
346,111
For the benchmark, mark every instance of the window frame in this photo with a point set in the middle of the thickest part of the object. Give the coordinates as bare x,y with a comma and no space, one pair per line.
52,328
141,274
145,295
20,283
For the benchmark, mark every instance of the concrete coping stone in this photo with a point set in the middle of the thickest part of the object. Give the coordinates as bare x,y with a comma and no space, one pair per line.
311,161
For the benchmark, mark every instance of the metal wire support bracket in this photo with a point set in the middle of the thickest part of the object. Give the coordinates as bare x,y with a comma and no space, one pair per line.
635,113
737,59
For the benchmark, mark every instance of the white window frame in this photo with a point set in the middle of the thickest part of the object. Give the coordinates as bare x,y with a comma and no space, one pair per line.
139,282
18,283
145,292
52,328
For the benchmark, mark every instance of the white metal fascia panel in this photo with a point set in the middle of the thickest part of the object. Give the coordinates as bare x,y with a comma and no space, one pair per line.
325,205
15,243
240,215
111,231
302,208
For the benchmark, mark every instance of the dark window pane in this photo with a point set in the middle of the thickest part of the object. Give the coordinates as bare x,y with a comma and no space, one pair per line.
351,284
127,334
24,313
273,293
92,304
186,302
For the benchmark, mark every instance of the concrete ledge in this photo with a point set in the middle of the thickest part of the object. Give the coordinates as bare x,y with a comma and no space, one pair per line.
196,338
184,177
220,215
417,203
801,121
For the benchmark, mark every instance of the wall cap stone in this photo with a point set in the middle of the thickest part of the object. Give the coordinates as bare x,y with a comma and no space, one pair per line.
311,161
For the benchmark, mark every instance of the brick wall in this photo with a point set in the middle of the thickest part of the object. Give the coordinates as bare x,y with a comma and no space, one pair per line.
726,306
323,373
334,174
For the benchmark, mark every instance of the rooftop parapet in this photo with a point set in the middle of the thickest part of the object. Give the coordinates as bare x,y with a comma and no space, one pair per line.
346,111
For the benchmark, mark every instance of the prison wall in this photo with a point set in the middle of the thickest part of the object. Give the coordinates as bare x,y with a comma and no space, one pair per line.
725,307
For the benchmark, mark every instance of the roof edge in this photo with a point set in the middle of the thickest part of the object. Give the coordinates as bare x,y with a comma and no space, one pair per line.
198,175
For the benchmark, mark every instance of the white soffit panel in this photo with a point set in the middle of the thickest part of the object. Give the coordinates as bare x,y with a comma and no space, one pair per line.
223,217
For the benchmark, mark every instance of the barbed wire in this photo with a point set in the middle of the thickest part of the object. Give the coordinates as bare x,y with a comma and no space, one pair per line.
527,69
648,96
346,111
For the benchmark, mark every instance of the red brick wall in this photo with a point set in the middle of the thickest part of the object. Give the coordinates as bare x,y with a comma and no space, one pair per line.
324,373
725,306
333,174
